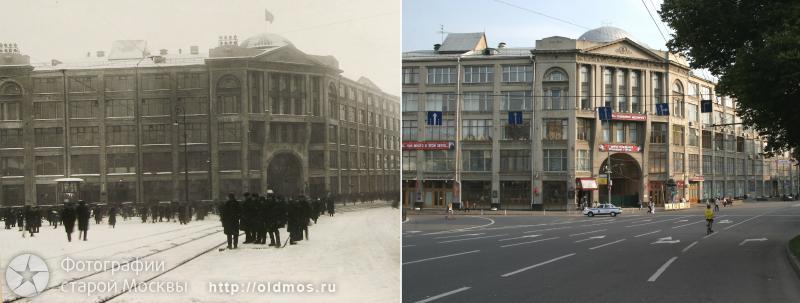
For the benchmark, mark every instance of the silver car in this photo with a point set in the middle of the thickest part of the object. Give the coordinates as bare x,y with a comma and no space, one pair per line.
603,209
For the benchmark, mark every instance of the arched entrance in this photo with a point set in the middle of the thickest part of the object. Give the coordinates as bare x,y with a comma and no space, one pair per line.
626,180
284,175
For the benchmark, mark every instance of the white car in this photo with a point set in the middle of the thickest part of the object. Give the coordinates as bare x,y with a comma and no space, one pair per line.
603,209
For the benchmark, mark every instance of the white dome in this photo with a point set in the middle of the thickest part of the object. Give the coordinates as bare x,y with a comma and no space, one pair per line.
264,40
605,34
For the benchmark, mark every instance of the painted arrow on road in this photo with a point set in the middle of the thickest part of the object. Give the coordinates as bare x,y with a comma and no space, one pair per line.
725,222
591,238
667,240
749,240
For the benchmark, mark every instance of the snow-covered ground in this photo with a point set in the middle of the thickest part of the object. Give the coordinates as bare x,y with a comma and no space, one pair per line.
352,257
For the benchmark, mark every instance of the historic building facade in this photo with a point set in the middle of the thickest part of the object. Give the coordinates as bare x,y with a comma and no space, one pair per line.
247,116
556,156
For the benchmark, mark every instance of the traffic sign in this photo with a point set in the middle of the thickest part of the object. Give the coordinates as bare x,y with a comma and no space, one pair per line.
514,118
705,106
434,118
662,109
604,112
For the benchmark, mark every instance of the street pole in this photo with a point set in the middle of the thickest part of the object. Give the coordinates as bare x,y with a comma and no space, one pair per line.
608,170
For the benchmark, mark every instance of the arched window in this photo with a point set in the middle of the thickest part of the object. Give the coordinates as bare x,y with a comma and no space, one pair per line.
333,102
555,85
677,99
228,95
10,89
10,101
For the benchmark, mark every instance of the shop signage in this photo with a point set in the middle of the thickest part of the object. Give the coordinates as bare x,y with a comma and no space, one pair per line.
626,148
628,116
428,145
697,179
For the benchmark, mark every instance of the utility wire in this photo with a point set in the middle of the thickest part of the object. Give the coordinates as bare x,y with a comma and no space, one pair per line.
541,14
654,21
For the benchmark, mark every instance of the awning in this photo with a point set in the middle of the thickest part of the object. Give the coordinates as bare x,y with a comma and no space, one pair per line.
586,183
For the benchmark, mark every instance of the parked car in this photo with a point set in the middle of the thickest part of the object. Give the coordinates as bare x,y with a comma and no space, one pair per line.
602,209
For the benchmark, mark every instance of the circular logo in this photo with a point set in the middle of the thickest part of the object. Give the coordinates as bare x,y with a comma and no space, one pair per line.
27,275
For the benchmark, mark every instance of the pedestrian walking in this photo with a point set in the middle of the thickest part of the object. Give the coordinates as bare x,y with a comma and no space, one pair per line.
68,218
231,212
716,206
82,212
112,217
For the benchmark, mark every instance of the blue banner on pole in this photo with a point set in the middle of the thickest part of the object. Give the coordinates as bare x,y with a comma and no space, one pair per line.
605,113
514,118
434,118
662,109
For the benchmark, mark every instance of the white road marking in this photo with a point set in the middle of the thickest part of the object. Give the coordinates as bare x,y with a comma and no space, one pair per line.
412,231
536,265
666,240
529,242
538,230
475,238
607,244
591,238
652,232
528,236
729,227
588,232
749,240
408,246
687,224
684,220
725,222
439,296
654,222
661,270
689,247
709,235
456,236
440,257
463,229
648,220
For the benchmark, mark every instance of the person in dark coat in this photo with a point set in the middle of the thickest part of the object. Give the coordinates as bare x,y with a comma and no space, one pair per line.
276,218
68,217
295,226
112,217
249,214
21,219
331,207
261,232
305,214
98,215
231,212
82,212
7,217
316,209
143,213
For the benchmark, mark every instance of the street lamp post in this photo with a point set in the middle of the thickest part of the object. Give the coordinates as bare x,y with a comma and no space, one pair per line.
182,111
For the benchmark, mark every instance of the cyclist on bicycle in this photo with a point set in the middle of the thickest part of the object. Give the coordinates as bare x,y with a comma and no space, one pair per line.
709,219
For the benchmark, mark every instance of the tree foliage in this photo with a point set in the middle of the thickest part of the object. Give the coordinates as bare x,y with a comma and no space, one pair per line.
753,46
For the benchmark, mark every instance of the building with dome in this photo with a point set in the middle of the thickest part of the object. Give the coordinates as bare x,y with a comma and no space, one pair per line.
137,123
520,127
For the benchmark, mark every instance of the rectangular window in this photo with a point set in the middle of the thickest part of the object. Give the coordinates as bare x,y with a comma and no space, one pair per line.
9,111
194,105
156,134
121,163
446,131
84,136
553,99
634,129
192,80
156,81
693,138
693,88
517,131
658,133
410,75
50,165
706,139
657,161
47,85
517,73
85,164
619,132
477,102
12,166
12,137
119,108
197,132
49,137
199,161
439,160
81,84
719,165
622,92
608,89
120,134
476,130
83,109
157,162
477,160
516,100
229,160
409,160
585,79
228,104
739,144
155,107
740,167
694,163
478,74
440,102
707,166
230,132
585,129
583,162
442,75
677,135
119,83
515,160
47,110
692,112
555,129
677,162
333,159
658,90
636,91
730,166
410,102
555,159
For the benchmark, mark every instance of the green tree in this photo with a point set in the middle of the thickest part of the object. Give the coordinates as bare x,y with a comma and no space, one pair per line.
753,46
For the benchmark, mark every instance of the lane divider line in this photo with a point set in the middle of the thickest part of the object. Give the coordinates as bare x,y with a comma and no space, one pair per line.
439,296
588,232
650,233
689,247
529,242
441,257
536,265
661,269
607,244
467,239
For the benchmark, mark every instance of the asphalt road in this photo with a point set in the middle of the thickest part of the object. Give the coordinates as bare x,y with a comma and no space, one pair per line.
665,257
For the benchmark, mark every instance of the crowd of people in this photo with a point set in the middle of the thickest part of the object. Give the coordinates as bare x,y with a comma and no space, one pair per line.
261,215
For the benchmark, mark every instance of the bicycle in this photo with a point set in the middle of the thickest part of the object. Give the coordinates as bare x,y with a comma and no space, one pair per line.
708,226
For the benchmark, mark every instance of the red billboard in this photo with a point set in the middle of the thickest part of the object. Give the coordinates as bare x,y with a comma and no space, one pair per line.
625,148
628,117
428,145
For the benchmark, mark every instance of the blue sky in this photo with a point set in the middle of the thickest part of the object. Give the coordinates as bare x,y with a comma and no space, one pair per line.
521,28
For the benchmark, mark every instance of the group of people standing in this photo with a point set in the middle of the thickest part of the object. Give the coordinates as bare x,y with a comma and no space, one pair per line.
259,216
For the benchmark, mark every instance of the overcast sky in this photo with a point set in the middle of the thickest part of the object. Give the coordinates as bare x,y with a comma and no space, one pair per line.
364,35
512,21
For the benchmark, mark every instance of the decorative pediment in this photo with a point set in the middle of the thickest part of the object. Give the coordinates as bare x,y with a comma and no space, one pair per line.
624,48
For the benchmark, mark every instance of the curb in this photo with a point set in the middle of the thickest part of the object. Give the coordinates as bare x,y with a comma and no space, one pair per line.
793,260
